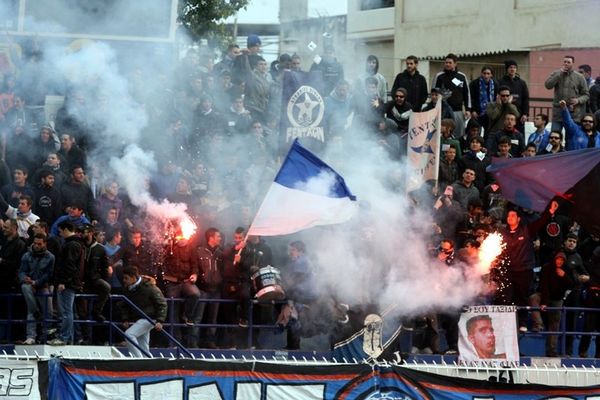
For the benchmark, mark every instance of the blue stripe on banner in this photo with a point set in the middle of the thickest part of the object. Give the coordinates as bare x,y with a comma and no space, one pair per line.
300,166
194,379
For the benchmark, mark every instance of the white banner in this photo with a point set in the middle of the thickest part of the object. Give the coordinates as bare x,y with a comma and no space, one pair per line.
19,380
423,147
488,334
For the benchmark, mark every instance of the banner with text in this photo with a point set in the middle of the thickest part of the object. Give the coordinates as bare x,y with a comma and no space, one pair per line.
423,147
302,111
21,379
164,379
488,334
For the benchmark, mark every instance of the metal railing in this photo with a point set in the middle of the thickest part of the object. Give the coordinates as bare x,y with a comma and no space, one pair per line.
49,321
170,326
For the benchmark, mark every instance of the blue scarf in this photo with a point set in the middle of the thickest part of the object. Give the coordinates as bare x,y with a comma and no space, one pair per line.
484,97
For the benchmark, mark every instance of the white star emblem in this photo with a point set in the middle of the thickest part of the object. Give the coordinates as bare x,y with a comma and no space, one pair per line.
306,107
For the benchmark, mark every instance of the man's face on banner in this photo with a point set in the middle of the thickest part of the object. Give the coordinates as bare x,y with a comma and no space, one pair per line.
483,338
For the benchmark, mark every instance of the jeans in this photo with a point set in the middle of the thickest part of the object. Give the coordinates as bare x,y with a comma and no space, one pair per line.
66,298
29,293
190,293
212,312
139,333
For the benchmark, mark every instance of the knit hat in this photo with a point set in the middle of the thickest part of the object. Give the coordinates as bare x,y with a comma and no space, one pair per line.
253,40
508,63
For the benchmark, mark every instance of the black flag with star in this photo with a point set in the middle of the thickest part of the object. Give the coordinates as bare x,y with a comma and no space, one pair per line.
303,111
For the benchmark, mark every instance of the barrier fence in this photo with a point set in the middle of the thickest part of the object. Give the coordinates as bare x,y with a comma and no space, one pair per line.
115,335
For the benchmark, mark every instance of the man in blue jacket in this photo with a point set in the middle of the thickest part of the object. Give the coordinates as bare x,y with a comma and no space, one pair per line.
579,137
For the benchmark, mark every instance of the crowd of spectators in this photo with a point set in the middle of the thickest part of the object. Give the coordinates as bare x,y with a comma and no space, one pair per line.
71,229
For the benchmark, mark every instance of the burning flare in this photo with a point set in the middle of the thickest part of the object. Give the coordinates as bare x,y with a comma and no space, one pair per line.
187,226
489,250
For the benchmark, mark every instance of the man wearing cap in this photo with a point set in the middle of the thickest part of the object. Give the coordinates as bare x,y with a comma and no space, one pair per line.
518,89
249,55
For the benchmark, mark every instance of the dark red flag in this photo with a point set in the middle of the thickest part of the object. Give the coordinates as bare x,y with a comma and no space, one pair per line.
573,176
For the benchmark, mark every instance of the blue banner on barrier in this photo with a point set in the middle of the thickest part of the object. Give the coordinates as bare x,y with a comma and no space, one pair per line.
190,379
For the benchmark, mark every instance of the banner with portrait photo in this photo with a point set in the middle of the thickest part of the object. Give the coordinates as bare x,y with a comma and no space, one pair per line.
488,334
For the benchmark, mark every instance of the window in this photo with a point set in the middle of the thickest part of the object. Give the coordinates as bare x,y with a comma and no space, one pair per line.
373,4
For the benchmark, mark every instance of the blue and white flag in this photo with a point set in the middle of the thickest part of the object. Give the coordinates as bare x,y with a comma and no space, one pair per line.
306,193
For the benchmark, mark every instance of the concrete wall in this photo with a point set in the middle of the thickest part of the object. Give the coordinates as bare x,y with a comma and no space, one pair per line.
297,34
471,26
432,28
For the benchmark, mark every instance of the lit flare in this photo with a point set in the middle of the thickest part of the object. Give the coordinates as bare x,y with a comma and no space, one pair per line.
490,249
188,228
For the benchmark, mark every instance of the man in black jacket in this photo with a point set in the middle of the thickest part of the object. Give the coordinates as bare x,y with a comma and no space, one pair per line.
142,292
518,90
414,83
520,256
96,271
48,204
68,279
12,249
210,280
455,88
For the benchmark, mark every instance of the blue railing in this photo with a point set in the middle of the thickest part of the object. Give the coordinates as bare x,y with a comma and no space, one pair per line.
49,321
169,327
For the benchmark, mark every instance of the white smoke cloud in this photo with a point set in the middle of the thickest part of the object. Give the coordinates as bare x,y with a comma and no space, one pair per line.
379,258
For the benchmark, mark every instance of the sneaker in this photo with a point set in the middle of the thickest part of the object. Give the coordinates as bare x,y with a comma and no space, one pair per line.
57,342
29,341
451,352
523,329
427,350
243,323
